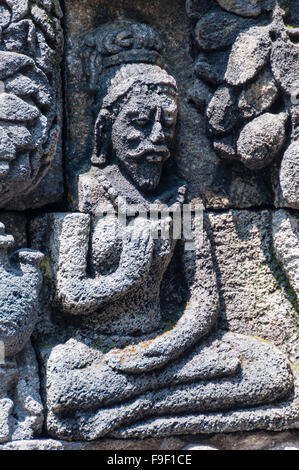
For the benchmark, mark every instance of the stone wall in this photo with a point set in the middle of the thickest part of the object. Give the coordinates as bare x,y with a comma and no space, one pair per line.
122,121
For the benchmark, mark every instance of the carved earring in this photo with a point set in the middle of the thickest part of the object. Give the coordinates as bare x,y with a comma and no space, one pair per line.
93,68
102,136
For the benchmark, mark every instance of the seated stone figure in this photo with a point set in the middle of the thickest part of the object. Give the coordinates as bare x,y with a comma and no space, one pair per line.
123,368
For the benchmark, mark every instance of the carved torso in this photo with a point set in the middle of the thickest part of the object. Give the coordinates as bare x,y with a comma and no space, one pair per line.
139,311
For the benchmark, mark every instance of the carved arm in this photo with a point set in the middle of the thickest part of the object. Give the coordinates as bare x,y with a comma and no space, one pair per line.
80,294
196,321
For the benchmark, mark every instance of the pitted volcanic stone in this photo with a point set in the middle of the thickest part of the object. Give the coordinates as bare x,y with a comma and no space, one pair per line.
222,112
261,140
284,64
247,8
258,96
249,54
217,30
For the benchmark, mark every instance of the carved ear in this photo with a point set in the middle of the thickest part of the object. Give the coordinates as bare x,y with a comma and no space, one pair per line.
102,137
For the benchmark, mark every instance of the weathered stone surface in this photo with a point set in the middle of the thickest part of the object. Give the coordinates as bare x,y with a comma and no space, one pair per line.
25,419
21,283
225,147
285,240
15,223
36,444
15,110
30,103
292,13
258,96
249,54
234,441
250,440
287,189
21,411
216,183
80,115
211,68
12,62
261,140
204,70
132,338
157,402
251,82
283,417
284,64
19,9
222,112
254,291
5,16
196,10
200,94
136,358
6,407
217,30
107,288
286,446
247,8
289,179
62,384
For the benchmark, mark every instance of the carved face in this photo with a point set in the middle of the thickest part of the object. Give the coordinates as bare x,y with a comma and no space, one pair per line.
142,135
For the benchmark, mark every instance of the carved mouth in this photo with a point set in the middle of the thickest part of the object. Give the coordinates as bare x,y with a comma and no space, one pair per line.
154,158
153,155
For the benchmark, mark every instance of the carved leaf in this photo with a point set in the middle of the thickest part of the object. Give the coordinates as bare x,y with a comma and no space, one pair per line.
249,54
30,51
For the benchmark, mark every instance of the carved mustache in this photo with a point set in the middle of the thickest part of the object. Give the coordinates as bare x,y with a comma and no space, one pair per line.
153,155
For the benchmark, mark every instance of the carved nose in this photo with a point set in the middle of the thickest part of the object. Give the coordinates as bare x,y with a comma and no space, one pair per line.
157,134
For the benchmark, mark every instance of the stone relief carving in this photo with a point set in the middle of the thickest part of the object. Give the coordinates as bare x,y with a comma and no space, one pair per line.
140,353
30,116
21,410
285,228
133,334
246,77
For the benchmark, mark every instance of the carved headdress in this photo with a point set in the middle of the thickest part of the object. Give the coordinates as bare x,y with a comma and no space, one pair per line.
119,43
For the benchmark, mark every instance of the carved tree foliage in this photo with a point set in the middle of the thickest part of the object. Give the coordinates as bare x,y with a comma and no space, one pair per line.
246,83
30,51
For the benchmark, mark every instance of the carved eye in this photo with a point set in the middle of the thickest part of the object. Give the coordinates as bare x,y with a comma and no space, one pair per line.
169,120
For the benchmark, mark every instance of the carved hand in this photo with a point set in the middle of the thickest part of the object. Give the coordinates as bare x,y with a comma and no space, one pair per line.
80,294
